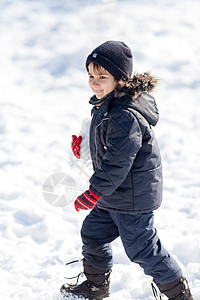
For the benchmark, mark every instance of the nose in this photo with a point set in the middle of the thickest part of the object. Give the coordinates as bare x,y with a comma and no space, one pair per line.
95,82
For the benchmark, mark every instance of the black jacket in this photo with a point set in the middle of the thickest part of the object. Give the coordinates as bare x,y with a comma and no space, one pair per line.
125,154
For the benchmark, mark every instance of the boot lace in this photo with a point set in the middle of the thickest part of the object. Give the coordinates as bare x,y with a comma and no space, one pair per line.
156,292
74,277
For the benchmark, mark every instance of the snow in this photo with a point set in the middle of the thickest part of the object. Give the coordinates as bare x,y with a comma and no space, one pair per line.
44,98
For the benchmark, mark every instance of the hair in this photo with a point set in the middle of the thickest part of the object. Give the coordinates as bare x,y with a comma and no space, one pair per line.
98,69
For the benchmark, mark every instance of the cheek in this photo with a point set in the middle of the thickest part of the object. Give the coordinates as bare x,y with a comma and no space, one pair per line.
113,85
89,82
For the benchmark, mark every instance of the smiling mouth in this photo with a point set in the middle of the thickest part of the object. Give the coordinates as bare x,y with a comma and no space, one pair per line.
98,91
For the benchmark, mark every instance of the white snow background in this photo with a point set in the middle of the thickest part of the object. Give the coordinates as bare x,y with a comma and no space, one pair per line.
44,98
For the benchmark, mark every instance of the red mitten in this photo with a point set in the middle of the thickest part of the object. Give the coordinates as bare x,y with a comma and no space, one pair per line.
76,145
86,200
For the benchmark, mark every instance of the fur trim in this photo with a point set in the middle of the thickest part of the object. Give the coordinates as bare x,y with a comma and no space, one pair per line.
135,86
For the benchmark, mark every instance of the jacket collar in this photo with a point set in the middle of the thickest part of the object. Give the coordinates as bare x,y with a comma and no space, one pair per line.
103,108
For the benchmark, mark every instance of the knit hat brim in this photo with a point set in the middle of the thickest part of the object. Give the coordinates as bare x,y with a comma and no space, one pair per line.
106,64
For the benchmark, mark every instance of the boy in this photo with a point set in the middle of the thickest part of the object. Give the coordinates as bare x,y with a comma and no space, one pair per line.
126,186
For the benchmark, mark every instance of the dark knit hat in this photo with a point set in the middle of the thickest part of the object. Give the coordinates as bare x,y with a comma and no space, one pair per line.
115,57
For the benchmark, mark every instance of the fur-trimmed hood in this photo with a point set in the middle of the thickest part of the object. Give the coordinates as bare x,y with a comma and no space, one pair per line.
135,86
139,88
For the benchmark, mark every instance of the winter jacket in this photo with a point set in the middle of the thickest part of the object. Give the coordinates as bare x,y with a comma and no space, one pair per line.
124,151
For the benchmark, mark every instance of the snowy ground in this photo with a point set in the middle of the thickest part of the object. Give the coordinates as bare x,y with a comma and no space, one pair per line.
44,97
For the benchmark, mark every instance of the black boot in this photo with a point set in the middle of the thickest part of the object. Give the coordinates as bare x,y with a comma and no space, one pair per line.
176,290
96,287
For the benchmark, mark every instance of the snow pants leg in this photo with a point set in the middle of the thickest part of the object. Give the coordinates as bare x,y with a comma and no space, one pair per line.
139,238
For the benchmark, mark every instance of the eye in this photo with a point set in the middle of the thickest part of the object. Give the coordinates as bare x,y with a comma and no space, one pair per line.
91,76
102,77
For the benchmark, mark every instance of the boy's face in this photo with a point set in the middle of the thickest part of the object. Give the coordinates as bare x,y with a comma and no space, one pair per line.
101,82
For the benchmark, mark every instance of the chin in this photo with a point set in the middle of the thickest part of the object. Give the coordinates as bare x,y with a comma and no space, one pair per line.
99,97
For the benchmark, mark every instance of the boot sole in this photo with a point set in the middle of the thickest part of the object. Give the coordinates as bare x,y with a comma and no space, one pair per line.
68,293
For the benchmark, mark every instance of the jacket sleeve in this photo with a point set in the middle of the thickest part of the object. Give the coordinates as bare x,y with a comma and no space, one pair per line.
124,139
